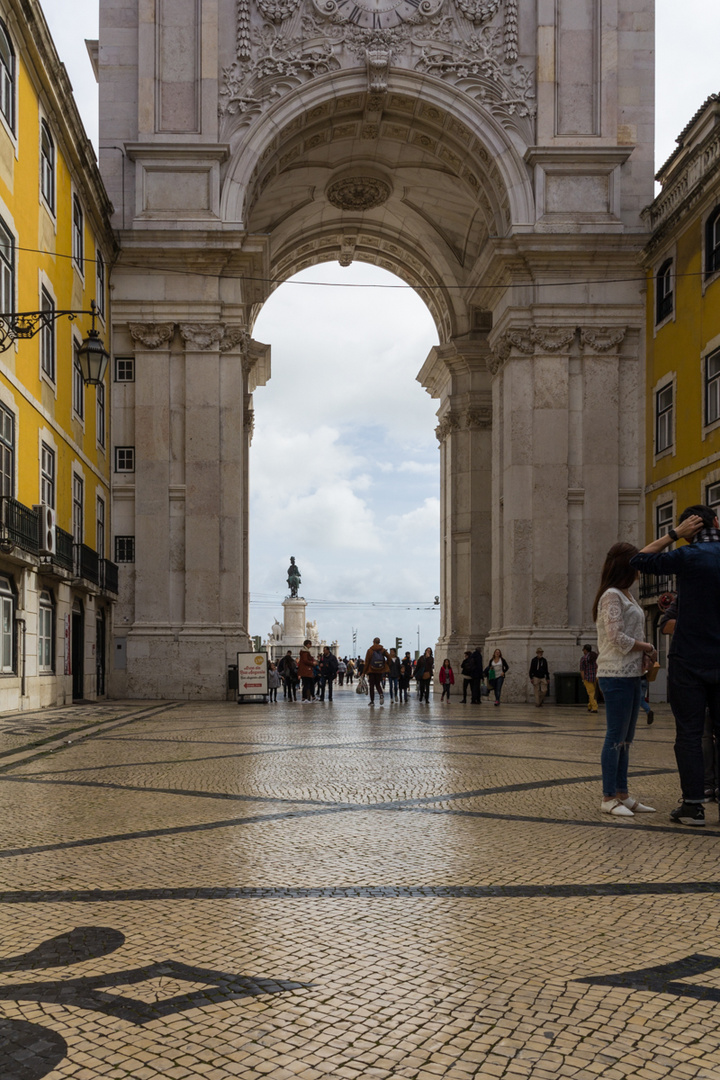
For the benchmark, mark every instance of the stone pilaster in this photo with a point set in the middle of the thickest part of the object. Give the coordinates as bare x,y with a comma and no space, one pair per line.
457,374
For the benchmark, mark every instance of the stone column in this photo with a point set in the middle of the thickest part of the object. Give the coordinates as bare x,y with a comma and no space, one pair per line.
457,373
564,435
152,619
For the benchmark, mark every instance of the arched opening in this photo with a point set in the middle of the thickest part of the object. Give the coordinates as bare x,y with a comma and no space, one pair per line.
344,469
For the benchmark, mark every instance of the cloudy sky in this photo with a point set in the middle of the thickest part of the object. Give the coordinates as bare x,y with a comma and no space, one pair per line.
344,468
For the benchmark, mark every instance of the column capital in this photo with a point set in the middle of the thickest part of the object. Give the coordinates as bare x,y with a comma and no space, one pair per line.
151,335
530,340
601,339
202,337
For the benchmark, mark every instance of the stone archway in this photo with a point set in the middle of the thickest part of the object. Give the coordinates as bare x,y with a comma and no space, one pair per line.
495,162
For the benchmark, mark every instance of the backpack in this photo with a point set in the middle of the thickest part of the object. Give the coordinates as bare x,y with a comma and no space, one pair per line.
377,660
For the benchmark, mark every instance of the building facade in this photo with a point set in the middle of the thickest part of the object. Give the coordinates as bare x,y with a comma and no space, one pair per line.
682,261
494,154
57,582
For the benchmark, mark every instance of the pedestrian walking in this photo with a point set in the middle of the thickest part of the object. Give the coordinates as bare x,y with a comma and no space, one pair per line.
693,665
406,672
306,672
394,666
539,677
290,676
588,673
447,679
342,668
466,670
350,671
477,676
495,674
375,668
273,681
620,625
424,673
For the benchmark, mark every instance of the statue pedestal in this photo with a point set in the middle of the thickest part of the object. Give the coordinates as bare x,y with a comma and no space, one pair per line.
294,623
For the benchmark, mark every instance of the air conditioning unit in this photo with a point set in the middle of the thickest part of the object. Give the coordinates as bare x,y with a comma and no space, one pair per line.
46,529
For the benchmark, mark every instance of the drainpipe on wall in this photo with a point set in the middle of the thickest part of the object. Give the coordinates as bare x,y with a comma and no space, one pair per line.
21,622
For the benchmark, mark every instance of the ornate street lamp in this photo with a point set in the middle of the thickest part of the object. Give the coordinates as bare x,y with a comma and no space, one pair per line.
26,324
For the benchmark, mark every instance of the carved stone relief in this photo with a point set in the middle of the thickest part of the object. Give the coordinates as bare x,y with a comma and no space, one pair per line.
554,339
471,43
358,192
202,336
471,419
151,335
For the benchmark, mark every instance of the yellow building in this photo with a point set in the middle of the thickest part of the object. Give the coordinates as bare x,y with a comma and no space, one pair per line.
57,582
682,261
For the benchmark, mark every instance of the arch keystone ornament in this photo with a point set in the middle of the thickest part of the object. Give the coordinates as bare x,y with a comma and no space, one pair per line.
475,148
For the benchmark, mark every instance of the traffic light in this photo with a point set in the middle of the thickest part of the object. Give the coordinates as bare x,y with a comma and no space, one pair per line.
398,644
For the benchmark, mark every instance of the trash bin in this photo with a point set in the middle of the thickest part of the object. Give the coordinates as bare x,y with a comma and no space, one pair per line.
233,677
569,689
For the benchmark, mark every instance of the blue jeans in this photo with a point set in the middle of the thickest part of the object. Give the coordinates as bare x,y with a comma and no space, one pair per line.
496,686
393,684
622,704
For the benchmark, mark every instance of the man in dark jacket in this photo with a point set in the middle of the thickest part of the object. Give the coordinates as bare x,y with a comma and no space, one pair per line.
694,654
539,677
328,670
467,673
477,676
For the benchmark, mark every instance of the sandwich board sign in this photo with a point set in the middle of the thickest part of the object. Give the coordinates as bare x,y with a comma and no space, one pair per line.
252,675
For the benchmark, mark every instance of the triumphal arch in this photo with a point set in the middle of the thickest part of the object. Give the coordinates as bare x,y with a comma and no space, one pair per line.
495,154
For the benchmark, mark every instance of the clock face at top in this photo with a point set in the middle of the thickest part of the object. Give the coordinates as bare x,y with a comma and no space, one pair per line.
378,14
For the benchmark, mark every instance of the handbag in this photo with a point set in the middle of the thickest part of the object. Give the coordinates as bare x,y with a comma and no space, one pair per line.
484,689
362,686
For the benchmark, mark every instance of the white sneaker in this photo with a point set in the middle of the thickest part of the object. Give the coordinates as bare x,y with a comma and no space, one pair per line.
614,806
637,807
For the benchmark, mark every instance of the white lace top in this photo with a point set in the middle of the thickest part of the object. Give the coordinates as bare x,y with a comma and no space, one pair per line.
620,623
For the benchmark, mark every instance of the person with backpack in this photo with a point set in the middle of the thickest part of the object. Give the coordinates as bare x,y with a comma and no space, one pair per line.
288,670
376,667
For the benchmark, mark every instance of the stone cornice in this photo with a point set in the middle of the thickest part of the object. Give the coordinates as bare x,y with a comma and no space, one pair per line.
469,419
702,168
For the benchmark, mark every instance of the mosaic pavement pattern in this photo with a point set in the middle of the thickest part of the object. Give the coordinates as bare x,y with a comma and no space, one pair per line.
212,891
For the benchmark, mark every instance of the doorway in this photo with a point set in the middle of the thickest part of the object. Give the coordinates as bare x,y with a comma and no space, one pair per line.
78,651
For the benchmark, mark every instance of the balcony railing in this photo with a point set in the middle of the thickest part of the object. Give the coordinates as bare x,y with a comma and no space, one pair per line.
87,563
651,586
19,524
109,573
63,549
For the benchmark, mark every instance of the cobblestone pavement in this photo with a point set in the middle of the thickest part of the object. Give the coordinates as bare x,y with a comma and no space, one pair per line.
329,891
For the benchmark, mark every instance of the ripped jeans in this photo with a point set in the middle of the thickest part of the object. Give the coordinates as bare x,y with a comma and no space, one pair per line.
622,704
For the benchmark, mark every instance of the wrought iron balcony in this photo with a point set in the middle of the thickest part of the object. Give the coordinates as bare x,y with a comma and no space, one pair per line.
18,525
109,572
64,555
87,563
651,586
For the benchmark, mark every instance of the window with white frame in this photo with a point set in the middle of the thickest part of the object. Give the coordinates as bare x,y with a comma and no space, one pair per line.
46,624
712,243
47,475
100,413
78,235
124,459
124,369
663,519
712,497
7,77
78,508
100,282
7,627
664,418
47,166
7,269
7,452
664,299
712,387
47,335
78,385
100,528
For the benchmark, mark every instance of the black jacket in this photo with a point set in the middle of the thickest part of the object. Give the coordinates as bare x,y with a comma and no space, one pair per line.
539,668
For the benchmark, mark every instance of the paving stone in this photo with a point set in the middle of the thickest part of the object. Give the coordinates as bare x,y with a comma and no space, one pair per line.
195,890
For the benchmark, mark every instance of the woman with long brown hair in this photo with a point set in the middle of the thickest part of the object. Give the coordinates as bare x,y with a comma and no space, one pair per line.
620,625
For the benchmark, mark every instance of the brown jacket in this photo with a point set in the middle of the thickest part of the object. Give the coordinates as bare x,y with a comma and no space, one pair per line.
368,656
306,663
